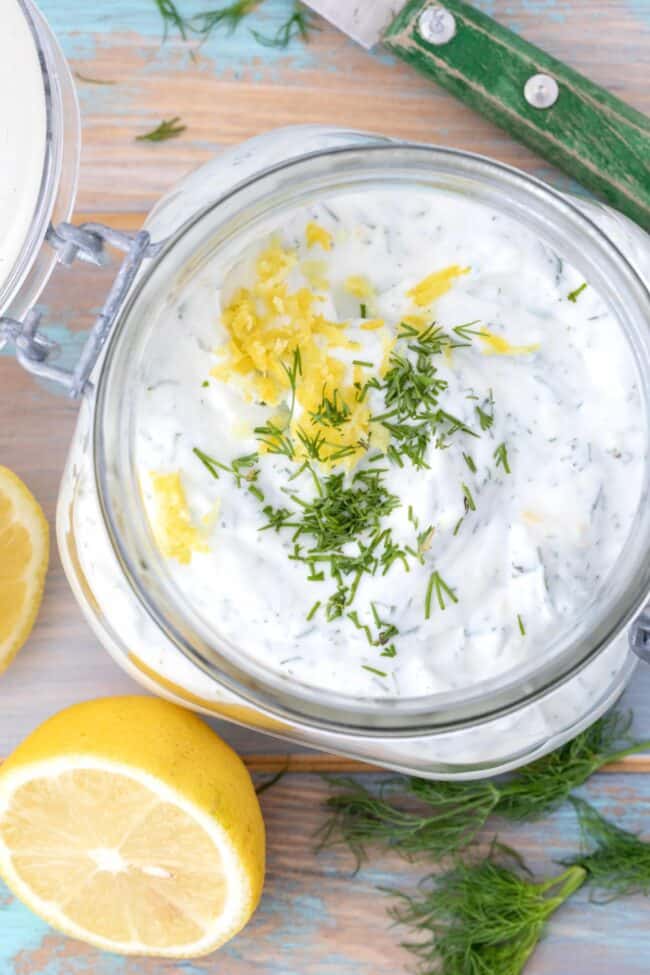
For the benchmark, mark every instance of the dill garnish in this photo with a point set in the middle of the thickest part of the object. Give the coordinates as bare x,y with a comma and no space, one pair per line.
274,439
242,468
292,374
574,295
167,129
467,332
468,500
501,457
312,612
363,311
172,17
331,412
438,585
451,813
229,17
470,463
617,862
484,917
298,24
373,670
520,623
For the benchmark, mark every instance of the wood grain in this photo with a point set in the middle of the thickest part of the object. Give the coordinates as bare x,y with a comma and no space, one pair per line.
315,918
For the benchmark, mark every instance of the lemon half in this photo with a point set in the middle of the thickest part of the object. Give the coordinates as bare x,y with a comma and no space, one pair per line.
24,553
129,824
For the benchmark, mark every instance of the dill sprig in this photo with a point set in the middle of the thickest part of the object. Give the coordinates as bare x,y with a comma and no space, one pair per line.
167,129
442,591
242,468
230,16
485,917
574,295
450,814
172,17
292,373
298,24
617,862
501,458
274,439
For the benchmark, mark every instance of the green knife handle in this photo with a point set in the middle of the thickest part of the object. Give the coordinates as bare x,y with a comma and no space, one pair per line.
587,132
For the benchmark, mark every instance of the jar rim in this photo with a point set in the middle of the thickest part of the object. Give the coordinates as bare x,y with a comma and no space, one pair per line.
558,222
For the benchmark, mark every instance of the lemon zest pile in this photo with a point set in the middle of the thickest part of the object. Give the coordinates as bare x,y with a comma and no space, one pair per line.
266,324
176,535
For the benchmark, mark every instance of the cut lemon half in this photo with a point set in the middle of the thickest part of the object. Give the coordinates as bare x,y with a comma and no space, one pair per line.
129,824
24,553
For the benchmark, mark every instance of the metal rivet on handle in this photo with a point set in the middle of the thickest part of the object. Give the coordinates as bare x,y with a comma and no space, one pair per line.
541,91
436,25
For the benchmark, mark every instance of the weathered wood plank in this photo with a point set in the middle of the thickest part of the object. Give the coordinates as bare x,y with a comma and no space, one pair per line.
317,918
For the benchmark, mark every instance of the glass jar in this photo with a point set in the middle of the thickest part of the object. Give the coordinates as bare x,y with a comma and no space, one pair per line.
116,572
22,282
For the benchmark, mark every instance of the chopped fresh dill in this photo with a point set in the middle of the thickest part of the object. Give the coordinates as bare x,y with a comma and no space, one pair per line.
373,670
362,362
253,489
617,862
457,525
470,463
485,419
292,373
466,331
363,310
501,457
331,412
242,468
312,442
167,129
520,624
298,24
205,383
484,917
468,500
574,295
438,585
312,612
274,439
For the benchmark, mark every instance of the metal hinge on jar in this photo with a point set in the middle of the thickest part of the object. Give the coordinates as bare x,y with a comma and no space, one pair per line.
639,636
87,242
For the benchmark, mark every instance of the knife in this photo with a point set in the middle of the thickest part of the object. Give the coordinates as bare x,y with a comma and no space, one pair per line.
580,127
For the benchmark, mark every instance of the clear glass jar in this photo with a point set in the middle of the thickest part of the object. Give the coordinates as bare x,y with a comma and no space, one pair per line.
22,284
114,569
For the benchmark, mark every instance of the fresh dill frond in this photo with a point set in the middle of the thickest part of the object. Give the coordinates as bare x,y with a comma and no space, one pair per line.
374,670
312,612
241,468
448,815
363,311
574,295
485,413
167,129
617,862
298,24
467,331
501,458
172,17
230,16
482,918
520,624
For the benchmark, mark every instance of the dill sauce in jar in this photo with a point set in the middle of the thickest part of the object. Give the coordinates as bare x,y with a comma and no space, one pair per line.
371,460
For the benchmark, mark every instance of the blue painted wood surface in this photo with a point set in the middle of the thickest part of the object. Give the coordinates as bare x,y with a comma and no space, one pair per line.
315,918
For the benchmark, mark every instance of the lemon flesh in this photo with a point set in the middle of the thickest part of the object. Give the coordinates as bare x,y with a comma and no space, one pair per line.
129,824
24,553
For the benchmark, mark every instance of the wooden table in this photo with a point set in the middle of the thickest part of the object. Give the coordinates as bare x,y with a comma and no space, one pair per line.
315,918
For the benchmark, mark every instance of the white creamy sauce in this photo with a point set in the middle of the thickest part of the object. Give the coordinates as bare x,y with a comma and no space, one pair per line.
510,529
22,133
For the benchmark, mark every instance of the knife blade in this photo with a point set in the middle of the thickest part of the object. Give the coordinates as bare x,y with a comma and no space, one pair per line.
566,118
